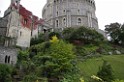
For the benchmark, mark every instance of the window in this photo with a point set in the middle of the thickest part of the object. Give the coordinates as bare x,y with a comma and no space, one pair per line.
64,21
20,33
57,13
6,59
64,11
79,21
54,1
78,11
57,23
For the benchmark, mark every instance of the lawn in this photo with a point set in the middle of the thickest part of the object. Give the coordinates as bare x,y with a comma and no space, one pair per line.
91,66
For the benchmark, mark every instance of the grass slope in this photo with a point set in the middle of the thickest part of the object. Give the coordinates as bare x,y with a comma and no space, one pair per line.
91,66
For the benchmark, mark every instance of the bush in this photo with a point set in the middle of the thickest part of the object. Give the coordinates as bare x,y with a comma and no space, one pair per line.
56,60
117,80
37,40
30,78
5,73
105,72
86,50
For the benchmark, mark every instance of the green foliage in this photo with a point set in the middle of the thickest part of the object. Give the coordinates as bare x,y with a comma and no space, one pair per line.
117,80
23,55
5,73
105,72
96,79
90,66
116,32
71,78
51,34
83,34
57,60
39,39
86,50
30,78
25,62
54,39
66,33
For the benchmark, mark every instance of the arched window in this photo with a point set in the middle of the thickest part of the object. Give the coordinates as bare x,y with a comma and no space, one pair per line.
8,59
64,21
57,23
57,13
54,1
64,11
5,59
79,21
91,2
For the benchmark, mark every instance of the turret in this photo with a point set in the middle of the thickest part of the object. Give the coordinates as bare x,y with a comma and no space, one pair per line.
15,1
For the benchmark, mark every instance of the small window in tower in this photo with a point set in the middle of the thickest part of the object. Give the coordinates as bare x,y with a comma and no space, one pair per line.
89,1
79,20
64,11
57,23
16,1
57,13
78,10
64,22
54,1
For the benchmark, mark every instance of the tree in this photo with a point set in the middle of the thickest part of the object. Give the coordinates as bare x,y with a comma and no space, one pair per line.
37,40
86,35
121,36
53,60
113,30
105,72
66,33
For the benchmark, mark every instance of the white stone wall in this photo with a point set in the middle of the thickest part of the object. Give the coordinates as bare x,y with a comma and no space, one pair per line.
35,32
24,37
8,55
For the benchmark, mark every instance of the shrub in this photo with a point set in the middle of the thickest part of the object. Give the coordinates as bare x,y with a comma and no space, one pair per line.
30,78
117,80
5,73
56,60
105,72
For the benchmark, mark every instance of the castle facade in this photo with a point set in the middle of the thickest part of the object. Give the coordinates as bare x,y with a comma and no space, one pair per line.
70,13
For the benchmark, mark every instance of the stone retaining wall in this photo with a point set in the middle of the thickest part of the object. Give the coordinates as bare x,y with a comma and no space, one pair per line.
8,55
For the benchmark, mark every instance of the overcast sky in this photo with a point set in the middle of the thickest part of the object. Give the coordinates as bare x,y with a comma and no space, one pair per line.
107,11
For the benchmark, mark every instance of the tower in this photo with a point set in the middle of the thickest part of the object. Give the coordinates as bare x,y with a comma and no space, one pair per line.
70,13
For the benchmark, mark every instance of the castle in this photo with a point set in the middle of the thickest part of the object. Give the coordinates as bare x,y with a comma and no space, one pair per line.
70,13
19,25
